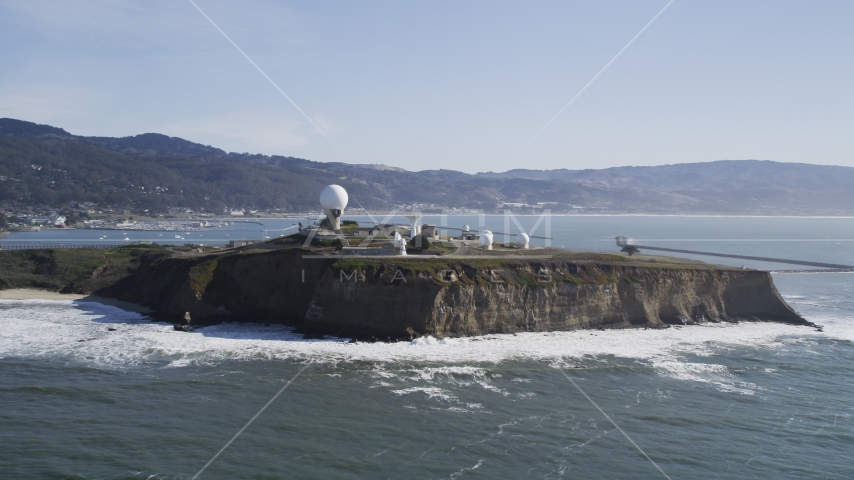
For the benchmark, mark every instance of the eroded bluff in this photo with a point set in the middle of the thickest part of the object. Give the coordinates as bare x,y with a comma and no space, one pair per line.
401,298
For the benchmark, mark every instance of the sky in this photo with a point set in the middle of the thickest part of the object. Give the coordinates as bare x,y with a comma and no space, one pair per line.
445,84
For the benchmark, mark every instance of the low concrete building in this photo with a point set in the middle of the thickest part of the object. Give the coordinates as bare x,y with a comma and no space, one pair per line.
365,231
241,243
430,231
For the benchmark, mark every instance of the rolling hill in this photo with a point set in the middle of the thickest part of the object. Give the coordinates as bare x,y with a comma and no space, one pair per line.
42,165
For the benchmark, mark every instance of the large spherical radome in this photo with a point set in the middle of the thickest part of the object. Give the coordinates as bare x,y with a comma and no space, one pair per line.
334,197
485,238
522,239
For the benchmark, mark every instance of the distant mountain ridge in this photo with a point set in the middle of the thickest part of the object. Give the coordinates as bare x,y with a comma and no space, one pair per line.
722,175
146,143
46,165
19,128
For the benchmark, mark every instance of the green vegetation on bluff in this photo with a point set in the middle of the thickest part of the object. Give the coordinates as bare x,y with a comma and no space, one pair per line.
81,270
91,270
529,267
201,275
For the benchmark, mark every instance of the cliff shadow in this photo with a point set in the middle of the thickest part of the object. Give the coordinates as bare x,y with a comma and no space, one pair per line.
97,305
261,331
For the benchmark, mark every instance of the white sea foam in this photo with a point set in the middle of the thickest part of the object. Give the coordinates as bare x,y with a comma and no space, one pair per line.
47,329
430,392
718,375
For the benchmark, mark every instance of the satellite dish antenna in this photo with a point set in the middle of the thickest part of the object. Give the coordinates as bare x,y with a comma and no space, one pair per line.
399,243
414,228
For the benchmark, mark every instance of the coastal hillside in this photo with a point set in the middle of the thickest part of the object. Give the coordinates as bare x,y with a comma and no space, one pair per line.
46,166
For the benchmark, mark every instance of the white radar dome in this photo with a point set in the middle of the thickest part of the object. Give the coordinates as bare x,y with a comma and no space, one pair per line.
522,240
485,238
465,228
333,197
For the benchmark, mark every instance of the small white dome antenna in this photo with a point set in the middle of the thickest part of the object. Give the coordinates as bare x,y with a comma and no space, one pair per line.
522,240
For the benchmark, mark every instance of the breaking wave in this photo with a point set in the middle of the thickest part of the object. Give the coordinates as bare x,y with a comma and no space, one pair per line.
107,336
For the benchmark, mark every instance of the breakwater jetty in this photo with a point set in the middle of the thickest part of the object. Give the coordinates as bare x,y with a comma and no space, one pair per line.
832,266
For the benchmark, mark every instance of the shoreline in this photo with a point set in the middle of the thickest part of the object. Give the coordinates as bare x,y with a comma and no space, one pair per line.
33,294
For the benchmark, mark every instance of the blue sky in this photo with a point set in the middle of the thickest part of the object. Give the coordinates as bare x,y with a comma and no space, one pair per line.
457,85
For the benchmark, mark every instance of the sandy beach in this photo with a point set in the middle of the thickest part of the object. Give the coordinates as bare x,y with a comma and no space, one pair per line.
31,294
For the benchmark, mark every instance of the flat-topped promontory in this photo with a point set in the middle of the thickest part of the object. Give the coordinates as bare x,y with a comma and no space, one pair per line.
338,278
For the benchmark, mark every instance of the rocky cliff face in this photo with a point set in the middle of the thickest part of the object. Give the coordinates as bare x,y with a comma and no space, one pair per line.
391,298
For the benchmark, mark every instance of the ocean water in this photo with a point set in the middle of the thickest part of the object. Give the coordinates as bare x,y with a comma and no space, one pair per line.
88,391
